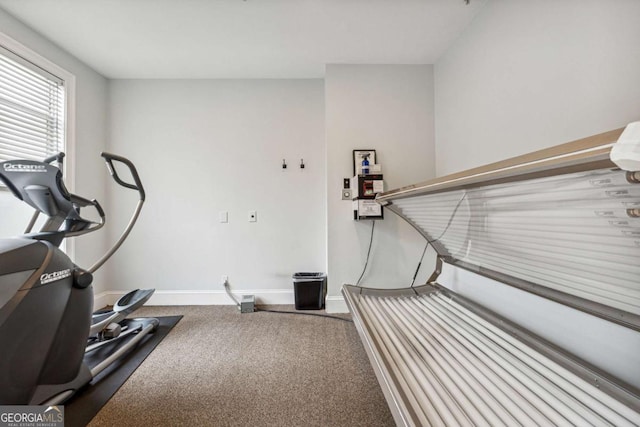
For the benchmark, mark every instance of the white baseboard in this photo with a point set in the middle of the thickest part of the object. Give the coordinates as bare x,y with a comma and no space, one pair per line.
104,299
200,297
336,304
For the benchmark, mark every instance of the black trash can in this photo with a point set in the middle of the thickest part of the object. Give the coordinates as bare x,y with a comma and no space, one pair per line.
309,290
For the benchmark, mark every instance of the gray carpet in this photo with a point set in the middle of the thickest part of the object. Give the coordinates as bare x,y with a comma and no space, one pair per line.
218,367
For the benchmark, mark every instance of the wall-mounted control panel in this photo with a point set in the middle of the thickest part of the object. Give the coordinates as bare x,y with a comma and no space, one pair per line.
364,189
366,186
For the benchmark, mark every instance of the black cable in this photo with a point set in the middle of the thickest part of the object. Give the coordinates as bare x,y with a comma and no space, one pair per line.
419,264
453,214
227,288
430,242
373,224
304,314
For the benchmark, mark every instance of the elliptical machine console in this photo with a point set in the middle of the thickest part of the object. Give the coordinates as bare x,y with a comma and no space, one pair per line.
46,301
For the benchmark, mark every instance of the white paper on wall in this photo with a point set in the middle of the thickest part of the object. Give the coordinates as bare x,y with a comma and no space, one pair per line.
369,208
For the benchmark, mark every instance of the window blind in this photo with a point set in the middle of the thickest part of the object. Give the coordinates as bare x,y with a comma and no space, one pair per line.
577,233
32,119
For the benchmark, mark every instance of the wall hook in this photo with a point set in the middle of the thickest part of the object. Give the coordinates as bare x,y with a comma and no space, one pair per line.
284,164
301,163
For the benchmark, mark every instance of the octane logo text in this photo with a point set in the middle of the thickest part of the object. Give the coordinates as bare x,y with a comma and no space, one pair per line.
57,275
19,167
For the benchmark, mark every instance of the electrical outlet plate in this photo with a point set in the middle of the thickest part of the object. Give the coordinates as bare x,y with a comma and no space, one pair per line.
253,216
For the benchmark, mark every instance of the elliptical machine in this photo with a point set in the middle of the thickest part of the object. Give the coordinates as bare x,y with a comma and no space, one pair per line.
46,301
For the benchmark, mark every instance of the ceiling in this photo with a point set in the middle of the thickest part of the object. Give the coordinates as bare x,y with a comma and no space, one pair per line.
245,38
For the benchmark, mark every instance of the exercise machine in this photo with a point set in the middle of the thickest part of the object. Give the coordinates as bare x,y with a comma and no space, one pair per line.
47,324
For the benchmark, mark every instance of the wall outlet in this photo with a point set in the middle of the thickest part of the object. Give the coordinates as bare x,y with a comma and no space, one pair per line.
253,216
223,216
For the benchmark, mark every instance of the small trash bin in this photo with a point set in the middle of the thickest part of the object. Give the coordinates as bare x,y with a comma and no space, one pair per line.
309,290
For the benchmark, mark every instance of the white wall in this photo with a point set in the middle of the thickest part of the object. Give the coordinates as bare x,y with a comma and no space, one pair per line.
388,108
90,129
527,75
205,146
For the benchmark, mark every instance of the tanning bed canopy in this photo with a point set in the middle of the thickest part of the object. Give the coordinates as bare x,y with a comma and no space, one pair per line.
563,223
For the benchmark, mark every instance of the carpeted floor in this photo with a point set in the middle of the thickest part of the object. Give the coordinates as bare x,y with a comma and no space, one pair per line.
218,367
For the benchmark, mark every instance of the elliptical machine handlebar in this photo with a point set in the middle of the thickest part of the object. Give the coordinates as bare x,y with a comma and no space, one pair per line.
110,158
57,157
40,185
80,201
